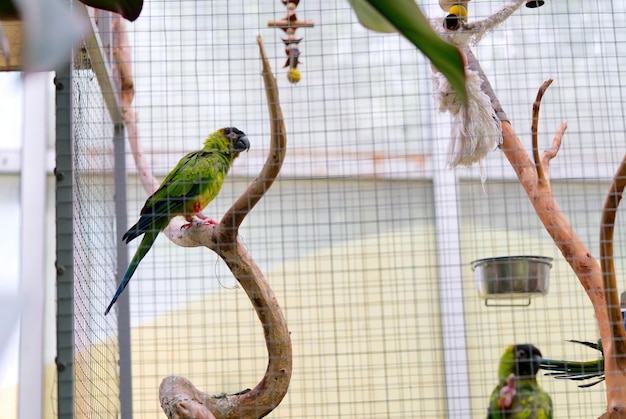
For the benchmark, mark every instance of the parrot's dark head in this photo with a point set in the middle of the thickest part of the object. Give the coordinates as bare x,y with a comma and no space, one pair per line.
238,141
527,359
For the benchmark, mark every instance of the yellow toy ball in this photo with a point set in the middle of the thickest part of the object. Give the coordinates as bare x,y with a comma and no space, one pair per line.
293,75
460,11
447,4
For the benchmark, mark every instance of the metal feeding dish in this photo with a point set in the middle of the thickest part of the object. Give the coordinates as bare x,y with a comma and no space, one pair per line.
511,277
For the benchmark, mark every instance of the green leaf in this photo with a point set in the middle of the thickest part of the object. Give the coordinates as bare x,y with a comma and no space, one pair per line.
370,18
129,9
408,20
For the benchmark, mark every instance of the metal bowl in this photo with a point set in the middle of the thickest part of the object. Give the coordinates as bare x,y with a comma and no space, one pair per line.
512,276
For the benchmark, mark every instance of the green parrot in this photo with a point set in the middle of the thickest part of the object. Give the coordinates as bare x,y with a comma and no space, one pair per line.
518,395
186,191
575,370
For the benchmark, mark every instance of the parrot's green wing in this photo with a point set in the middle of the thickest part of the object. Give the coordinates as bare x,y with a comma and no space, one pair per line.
196,173
198,177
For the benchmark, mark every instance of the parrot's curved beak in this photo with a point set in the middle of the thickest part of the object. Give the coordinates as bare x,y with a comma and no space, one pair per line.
242,144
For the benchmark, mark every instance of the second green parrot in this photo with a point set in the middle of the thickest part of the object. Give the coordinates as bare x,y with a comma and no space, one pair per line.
186,191
518,395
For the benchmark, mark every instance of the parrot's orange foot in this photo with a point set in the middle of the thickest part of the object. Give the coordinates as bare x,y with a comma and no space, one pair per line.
195,222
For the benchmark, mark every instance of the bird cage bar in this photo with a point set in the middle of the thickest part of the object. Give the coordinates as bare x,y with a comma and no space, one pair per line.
64,243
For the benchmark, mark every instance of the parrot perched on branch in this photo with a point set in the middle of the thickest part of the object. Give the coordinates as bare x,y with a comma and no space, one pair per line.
518,394
186,191
575,370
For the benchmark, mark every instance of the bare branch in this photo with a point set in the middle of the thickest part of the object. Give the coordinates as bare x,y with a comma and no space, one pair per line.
607,227
480,28
534,130
123,62
124,77
472,33
185,401
552,217
551,153
235,215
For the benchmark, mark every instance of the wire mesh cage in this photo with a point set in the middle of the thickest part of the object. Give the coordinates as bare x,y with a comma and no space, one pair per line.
95,245
366,237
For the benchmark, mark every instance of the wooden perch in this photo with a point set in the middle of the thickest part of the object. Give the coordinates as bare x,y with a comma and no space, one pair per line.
607,227
179,398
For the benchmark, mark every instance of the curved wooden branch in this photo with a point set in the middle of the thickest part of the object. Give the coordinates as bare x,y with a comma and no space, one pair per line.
179,398
175,393
607,227
270,391
223,239
534,130
236,213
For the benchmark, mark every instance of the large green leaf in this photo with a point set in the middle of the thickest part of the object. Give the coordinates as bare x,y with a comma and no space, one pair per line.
129,9
407,19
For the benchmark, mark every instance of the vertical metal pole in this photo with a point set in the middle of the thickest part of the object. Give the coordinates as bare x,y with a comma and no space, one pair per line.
33,245
65,242
450,268
123,304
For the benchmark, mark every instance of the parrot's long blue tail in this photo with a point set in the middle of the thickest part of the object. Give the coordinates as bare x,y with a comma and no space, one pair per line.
146,243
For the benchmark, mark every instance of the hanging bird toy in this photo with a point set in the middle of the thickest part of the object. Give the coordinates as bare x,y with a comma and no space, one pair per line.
289,24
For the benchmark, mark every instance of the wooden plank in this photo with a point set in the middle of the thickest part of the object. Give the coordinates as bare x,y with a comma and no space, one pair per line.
14,33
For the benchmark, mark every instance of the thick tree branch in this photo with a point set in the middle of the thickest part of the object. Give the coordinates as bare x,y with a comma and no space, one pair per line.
179,398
